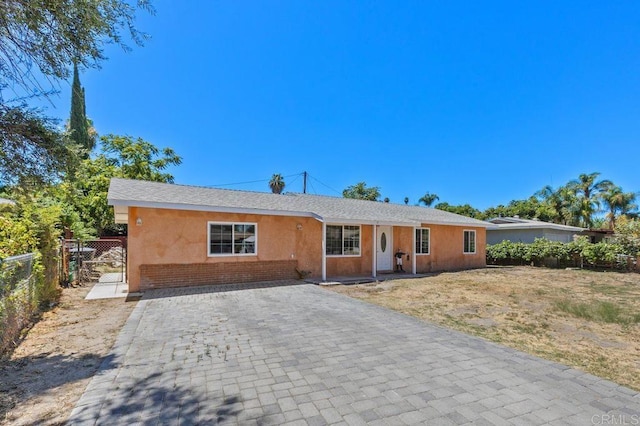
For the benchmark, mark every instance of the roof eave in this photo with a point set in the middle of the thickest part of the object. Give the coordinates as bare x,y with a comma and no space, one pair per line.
508,226
204,208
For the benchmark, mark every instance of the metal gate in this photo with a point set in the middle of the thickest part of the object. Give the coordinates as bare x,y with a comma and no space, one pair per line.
101,260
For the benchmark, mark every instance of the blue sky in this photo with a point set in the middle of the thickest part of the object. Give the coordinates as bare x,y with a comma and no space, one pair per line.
478,102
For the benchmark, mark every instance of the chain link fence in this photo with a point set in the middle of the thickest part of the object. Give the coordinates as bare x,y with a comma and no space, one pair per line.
18,301
101,260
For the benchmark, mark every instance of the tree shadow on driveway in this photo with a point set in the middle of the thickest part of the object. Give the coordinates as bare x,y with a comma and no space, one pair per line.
31,376
153,400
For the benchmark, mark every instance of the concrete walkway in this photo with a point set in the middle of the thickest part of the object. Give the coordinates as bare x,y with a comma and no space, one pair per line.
302,355
110,286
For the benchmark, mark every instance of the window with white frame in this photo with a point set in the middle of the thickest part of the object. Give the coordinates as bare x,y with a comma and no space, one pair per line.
228,239
422,241
343,240
469,241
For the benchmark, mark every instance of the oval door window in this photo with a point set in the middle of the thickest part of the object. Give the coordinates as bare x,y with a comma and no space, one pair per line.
383,242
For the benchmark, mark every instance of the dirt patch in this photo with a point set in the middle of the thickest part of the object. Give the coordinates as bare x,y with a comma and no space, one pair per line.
48,372
535,310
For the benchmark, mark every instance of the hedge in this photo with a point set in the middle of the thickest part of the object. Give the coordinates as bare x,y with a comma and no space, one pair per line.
543,252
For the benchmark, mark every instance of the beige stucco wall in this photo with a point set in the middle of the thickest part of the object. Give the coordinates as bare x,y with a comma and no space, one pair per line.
354,265
180,237
447,243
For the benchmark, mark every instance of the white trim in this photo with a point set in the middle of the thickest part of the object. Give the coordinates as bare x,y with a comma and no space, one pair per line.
213,222
324,251
121,214
369,222
241,210
343,225
374,260
445,222
543,226
413,249
475,242
429,240
212,209
391,255
412,222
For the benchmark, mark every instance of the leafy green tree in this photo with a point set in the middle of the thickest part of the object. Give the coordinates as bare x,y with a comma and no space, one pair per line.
627,234
531,208
617,203
463,210
361,192
428,199
46,37
121,156
87,193
139,159
406,200
39,42
276,183
32,150
78,123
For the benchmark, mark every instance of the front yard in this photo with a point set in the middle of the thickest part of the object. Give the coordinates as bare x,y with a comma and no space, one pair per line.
588,320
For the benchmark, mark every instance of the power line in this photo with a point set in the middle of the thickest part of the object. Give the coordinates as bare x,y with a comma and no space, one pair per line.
325,185
294,180
247,182
313,188
296,176
237,183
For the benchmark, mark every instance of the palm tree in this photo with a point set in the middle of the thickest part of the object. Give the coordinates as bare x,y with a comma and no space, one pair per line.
586,189
561,204
428,199
276,183
618,203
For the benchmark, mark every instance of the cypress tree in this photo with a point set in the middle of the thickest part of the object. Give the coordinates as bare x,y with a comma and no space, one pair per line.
78,124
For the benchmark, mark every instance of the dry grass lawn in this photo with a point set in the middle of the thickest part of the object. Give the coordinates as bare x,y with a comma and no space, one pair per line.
41,381
585,319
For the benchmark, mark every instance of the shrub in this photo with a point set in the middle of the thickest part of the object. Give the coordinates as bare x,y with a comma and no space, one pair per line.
541,250
29,227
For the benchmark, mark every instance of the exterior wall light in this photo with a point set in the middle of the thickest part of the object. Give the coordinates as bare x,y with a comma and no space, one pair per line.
139,221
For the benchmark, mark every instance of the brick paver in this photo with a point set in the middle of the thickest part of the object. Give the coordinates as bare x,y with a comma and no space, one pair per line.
301,355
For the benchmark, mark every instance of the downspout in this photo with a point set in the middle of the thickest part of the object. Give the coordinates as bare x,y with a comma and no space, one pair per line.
374,265
324,251
413,250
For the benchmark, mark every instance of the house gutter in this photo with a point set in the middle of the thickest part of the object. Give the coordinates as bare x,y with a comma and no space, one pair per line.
555,227
204,208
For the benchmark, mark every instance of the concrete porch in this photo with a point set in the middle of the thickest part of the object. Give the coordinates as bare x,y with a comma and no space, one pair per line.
363,279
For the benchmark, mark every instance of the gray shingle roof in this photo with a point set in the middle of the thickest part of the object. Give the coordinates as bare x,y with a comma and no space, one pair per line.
135,193
519,223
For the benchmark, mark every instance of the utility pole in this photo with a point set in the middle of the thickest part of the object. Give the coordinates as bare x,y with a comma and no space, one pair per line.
304,185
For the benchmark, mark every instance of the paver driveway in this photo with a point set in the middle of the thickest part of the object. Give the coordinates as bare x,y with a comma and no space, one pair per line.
303,355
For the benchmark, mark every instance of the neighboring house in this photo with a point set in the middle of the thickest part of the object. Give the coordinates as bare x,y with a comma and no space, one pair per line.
526,230
186,235
598,235
7,202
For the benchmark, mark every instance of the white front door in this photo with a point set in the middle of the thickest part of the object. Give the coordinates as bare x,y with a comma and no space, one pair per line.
384,250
